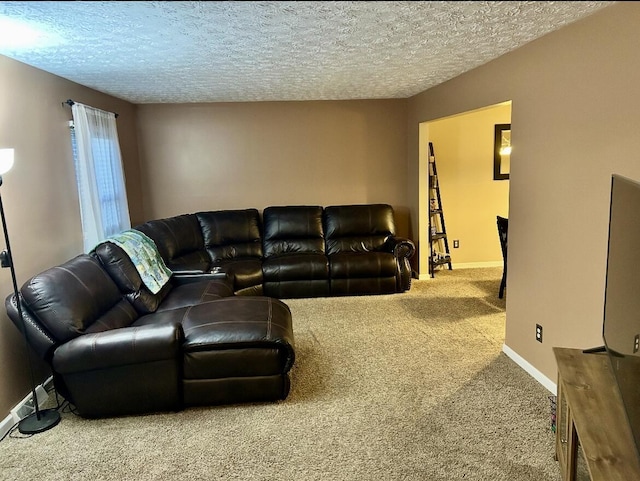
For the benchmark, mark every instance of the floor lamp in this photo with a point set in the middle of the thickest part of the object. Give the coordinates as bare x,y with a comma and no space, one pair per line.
40,420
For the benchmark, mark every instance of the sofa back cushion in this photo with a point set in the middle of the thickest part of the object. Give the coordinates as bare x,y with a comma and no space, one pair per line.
75,298
230,234
179,240
358,228
126,276
292,230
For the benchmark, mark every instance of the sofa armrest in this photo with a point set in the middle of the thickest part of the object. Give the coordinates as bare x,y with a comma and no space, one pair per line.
188,272
186,276
123,371
40,339
119,347
401,247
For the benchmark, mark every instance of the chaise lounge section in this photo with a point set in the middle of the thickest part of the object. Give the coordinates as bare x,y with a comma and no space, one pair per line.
116,348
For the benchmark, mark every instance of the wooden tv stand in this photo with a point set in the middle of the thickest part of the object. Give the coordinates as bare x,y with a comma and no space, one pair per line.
590,414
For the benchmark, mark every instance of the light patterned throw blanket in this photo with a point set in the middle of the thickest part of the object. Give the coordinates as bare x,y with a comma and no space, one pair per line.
145,256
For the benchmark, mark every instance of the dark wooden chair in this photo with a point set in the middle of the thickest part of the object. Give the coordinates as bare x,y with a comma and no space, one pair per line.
503,227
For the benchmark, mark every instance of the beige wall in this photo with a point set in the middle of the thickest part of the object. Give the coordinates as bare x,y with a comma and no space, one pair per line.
39,193
463,147
575,116
575,113
239,155
193,157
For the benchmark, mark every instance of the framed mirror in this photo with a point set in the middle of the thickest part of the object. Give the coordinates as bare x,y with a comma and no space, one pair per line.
502,152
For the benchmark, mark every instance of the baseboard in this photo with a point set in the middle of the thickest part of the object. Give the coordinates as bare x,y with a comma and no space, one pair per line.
476,265
524,364
464,265
25,407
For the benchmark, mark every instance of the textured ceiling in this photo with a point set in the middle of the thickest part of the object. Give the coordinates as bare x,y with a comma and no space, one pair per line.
177,52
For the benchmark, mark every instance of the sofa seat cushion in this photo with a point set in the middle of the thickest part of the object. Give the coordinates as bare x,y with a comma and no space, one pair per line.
185,295
238,337
296,275
243,271
291,267
362,265
168,316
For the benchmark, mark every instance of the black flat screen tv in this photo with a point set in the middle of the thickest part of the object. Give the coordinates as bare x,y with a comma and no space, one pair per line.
621,326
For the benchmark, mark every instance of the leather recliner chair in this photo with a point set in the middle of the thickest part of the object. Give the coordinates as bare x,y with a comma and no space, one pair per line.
295,264
365,256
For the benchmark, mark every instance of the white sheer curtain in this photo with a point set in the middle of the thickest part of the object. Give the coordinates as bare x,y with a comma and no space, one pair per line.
101,188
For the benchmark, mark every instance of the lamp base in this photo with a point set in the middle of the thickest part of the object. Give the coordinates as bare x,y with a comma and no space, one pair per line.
32,425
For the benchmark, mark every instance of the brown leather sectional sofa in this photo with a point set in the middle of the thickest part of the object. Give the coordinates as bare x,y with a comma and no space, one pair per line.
291,251
216,333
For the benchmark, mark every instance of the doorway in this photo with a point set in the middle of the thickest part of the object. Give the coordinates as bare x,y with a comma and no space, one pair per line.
471,198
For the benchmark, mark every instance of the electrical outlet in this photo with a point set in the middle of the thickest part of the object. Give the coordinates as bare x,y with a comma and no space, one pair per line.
636,343
456,243
538,333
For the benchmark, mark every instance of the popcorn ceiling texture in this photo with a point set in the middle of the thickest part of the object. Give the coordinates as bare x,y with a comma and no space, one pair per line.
180,52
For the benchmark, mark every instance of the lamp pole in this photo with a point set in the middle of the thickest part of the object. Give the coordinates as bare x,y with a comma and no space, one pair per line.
40,420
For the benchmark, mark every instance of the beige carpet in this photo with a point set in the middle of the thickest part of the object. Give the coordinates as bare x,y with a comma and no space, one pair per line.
409,386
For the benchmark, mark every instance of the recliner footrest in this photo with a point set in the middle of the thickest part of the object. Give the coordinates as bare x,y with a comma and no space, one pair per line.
237,349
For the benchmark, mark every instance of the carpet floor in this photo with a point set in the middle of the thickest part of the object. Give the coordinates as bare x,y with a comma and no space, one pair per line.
410,386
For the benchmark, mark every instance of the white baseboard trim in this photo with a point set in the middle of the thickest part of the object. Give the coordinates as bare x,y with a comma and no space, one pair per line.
476,265
524,364
7,423
464,265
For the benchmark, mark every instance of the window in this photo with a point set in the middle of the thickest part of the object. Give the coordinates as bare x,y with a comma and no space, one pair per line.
99,174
